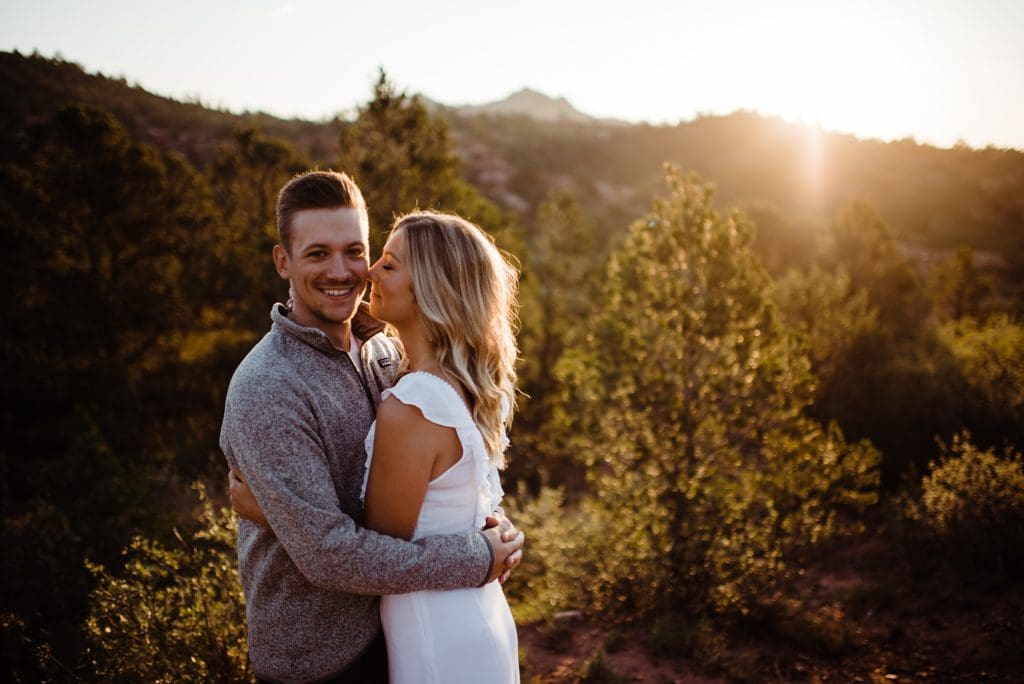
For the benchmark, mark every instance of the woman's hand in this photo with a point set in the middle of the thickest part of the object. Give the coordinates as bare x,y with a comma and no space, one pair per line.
243,501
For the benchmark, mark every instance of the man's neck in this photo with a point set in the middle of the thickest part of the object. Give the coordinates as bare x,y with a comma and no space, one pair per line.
340,334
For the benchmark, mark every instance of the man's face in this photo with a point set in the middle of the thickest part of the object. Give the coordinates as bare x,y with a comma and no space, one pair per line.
326,266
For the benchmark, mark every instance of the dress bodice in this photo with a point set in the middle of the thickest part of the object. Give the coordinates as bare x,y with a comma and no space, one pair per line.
460,498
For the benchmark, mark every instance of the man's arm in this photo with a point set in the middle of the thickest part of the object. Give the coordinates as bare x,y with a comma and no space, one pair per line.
245,505
277,449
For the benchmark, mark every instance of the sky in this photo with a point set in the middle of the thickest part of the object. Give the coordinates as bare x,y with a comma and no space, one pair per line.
940,71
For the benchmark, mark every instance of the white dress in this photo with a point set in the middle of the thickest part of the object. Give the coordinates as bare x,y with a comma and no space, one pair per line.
460,635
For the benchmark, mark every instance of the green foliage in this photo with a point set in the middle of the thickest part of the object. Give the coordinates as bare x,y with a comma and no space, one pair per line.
972,506
97,290
879,339
556,294
581,557
863,244
831,317
245,177
690,409
958,288
171,614
544,584
597,670
989,357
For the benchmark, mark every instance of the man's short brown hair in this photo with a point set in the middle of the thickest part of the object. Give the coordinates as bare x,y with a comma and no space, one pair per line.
314,190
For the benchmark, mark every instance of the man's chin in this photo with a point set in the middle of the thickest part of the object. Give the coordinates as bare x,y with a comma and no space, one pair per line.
336,315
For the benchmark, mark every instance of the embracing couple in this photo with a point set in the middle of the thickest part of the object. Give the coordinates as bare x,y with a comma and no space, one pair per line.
362,467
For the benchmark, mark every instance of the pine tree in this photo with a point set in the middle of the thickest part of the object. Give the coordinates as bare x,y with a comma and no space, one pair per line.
692,401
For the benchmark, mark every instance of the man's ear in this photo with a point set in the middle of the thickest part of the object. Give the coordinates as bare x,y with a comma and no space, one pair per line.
281,262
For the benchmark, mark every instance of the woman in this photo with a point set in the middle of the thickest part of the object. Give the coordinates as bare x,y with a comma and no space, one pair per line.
438,440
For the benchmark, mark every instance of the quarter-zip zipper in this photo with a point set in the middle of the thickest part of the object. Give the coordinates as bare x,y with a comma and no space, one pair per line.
362,381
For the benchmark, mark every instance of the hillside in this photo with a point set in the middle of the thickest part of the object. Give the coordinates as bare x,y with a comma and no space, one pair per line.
931,197
33,87
792,177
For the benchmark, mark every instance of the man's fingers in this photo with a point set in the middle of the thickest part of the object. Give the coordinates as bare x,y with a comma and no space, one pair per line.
514,559
490,521
516,543
504,577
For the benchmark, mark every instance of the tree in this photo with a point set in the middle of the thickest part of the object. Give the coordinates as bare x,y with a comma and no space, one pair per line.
891,384
692,400
245,178
557,293
832,318
863,245
957,287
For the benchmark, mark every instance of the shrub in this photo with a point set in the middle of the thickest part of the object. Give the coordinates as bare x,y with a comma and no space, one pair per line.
972,506
172,615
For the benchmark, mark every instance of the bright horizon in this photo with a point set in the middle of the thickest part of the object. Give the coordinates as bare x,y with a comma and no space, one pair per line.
938,71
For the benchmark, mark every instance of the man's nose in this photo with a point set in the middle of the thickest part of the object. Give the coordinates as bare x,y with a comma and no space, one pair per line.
338,267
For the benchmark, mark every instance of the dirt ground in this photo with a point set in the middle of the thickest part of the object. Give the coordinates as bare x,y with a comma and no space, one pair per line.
858,613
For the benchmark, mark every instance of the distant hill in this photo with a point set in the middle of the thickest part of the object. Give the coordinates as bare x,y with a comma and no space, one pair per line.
785,174
533,104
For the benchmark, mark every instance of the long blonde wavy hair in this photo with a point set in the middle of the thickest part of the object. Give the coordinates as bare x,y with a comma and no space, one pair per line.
465,290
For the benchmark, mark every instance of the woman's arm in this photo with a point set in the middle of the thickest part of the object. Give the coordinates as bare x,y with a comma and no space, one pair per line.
243,501
405,449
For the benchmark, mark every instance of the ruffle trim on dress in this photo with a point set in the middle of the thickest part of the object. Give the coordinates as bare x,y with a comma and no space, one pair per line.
441,403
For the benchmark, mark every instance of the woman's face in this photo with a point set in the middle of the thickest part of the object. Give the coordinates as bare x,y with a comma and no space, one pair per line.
391,297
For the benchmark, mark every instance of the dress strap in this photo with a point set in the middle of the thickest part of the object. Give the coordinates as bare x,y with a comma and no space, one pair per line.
439,402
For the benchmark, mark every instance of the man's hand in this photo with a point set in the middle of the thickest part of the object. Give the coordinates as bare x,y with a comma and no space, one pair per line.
243,501
507,535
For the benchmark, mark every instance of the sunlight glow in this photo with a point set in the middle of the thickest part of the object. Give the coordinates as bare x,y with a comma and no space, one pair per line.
937,70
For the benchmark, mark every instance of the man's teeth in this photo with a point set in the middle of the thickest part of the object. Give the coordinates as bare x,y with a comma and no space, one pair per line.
336,292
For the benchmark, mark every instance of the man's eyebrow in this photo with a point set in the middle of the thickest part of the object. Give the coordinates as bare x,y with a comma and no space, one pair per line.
324,245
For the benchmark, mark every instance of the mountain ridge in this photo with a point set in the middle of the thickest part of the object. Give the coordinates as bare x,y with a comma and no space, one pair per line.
936,197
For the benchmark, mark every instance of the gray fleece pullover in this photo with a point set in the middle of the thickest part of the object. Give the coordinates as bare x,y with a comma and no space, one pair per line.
295,420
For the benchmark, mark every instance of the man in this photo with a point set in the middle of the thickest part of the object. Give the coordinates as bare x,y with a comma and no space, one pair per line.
295,420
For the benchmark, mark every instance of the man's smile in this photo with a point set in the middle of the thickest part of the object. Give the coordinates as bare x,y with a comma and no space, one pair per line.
337,291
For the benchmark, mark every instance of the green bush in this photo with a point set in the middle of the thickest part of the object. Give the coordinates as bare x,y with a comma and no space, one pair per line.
972,506
172,615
